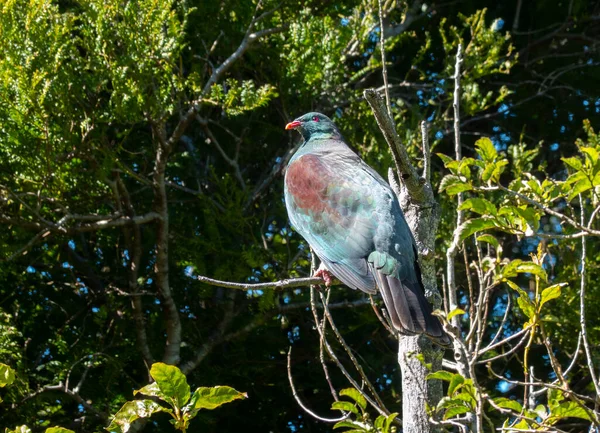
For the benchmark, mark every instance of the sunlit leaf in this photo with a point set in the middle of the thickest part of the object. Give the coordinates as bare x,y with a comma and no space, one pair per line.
132,411
211,398
356,396
479,205
455,312
7,375
171,382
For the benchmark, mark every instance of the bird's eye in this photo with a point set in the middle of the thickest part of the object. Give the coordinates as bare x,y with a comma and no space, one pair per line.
315,118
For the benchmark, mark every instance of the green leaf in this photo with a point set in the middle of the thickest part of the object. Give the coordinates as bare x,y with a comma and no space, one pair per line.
172,383
389,420
489,239
523,300
480,206
456,380
58,430
506,403
450,180
591,154
475,225
7,375
574,163
132,411
445,158
455,312
441,375
350,424
356,396
211,398
151,390
569,409
555,397
345,406
20,429
458,188
485,149
579,188
456,410
550,293
532,268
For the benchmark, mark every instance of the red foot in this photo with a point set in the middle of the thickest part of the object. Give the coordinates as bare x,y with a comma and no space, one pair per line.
325,274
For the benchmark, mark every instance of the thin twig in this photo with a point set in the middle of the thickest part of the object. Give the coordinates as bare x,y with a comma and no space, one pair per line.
297,397
583,272
355,362
383,65
426,151
454,246
281,284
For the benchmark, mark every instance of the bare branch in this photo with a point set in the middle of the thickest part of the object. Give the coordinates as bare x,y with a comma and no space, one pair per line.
161,264
426,151
418,191
383,65
583,274
350,354
297,397
454,246
281,284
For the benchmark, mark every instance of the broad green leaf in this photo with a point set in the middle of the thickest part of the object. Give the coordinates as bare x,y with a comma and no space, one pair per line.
518,266
467,397
449,180
345,406
441,375
521,425
456,380
456,410
20,429
132,411
445,158
569,409
523,300
350,424
485,149
389,420
574,163
474,225
532,268
172,383
7,375
455,312
58,430
591,154
489,239
555,397
579,188
550,293
541,411
356,396
506,403
458,188
151,390
211,398
479,205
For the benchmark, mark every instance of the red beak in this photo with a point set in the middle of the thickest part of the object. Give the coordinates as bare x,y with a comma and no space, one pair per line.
293,125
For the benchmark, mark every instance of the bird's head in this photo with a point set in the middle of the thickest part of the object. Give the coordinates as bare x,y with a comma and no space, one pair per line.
314,125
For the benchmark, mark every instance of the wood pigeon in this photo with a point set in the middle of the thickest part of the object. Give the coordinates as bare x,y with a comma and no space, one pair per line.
352,219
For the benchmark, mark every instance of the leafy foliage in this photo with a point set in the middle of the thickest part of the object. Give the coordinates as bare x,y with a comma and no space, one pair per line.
172,389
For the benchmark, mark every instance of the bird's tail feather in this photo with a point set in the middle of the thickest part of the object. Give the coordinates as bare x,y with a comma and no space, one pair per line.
408,309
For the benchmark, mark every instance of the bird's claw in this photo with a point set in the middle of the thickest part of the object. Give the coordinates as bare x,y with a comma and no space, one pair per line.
325,274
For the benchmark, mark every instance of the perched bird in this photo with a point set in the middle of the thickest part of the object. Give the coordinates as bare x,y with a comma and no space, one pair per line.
352,220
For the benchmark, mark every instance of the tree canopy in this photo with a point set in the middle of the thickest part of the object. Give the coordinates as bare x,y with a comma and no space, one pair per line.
142,149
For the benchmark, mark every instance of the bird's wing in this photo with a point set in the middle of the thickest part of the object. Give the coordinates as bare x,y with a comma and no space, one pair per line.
331,202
